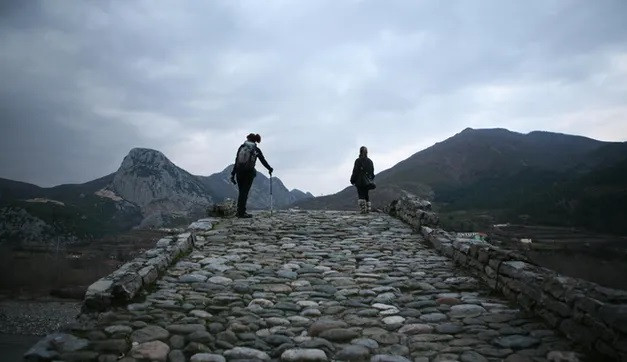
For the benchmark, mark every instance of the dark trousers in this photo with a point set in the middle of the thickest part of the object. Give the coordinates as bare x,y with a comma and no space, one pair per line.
362,193
244,182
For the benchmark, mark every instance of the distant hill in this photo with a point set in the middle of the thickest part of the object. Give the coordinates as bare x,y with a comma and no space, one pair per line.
494,175
147,191
220,186
34,215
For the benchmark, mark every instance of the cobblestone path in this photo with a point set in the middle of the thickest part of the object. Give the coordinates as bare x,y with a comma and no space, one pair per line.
307,286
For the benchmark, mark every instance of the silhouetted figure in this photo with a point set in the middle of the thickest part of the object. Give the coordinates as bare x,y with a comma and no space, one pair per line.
362,178
244,170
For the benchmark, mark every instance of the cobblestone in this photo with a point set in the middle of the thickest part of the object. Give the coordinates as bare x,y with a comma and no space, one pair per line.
316,286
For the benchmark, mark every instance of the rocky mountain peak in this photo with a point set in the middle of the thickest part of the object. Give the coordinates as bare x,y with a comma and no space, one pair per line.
150,180
145,157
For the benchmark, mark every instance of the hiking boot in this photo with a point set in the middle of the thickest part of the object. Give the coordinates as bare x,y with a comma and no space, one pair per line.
244,216
368,206
362,206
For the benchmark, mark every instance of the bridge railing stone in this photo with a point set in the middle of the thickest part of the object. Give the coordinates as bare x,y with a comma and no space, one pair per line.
121,286
125,283
587,313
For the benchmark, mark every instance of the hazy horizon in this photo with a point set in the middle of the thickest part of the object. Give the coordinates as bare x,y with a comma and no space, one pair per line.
260,167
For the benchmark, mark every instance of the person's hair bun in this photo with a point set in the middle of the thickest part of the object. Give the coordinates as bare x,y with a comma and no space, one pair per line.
254,137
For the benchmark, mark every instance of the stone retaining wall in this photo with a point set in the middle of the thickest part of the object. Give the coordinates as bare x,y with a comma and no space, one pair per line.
124,284
589,314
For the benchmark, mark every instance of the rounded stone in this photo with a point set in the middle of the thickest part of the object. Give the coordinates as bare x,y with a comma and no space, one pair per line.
382,306
466,310
207,357
385,297
185,328
322,325
153,351
307,304
311,312
389,312
448,301
118,330
386,338
287,274
353,353
216,327
239,328
449,328
176,356
472,356
277,339
245,353
201,337
303,355
339,334
192,278
393,320
516,342
200,314
411,329
433,317
177,342
366,342
150,333
275,321
520,358
388,358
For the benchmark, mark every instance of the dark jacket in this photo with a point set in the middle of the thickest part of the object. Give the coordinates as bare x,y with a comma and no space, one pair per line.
259,155
363,169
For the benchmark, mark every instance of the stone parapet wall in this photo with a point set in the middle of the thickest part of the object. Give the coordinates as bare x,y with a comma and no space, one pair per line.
125,283
589,314
414,211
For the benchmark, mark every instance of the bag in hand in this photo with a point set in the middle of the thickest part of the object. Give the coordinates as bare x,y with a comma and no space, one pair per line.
367,182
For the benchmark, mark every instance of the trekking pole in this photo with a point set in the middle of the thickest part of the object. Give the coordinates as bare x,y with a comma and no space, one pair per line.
271,194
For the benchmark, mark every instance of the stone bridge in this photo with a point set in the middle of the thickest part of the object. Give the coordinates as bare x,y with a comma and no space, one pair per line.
304,286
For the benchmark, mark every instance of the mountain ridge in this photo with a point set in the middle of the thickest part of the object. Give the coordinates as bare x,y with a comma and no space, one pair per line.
494,168
147,191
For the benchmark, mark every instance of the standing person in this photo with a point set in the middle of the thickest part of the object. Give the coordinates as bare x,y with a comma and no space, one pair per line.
363,174
244,170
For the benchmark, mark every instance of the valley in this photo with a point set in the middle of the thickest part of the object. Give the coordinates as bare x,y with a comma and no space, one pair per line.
599,258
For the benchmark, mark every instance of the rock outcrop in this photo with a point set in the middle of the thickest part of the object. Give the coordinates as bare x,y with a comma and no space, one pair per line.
226,208
151,181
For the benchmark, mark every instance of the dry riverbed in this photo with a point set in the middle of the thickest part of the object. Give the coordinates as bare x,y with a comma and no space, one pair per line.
24,322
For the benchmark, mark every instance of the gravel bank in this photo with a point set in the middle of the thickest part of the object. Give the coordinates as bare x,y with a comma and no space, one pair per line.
37,318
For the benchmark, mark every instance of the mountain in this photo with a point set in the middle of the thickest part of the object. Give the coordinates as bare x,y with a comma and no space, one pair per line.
297,195
162,190
146,191
499,175
68,213
220,186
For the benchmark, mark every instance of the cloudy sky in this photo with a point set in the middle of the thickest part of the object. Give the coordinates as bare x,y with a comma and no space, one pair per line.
83,82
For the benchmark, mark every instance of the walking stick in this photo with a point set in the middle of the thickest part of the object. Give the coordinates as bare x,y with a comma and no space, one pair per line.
271,194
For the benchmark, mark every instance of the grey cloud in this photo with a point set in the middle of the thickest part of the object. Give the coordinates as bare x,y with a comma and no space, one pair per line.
317,79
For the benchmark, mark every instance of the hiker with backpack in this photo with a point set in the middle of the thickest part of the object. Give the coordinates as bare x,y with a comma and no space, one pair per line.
244,171
362,178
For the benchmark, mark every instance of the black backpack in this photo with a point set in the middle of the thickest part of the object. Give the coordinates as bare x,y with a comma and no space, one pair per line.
247,157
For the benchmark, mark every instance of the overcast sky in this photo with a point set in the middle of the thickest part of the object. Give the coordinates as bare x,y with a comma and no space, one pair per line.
83,82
